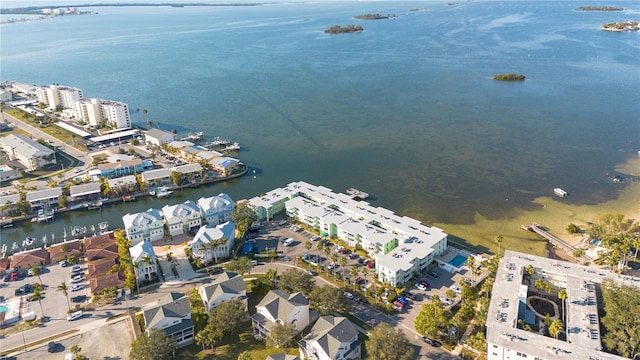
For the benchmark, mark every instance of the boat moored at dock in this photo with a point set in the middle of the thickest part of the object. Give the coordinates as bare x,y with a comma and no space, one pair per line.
357,194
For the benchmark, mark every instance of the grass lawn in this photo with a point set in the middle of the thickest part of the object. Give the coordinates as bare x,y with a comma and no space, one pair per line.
231,347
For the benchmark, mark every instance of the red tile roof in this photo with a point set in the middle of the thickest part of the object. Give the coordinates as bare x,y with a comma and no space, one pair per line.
99,241
56,253
110,252
30,258
100,267
97,284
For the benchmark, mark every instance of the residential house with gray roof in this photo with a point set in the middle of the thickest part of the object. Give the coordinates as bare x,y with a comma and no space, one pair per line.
144,226
216,209
228,286
279,307
172,314
44,199
144,260
182,218
331,338
209,242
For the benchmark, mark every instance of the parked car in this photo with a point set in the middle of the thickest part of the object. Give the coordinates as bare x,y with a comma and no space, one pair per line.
431,342
311,272
348,295
77,279
79,299
51,346
77,287
77,269
397,304
74,316
445,300
63,263
403,300
315,238
456,289
353,256
371,264
434,273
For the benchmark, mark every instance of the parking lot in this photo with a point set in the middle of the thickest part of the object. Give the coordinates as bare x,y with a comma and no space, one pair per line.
53,301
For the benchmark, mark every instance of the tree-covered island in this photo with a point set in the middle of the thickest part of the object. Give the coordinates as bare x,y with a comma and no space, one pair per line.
599,8
375,16
337,29
509,77
621,26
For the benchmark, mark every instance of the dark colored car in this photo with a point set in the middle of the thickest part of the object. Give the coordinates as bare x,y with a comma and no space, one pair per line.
79,299
353,256
51,346
215,270
431,342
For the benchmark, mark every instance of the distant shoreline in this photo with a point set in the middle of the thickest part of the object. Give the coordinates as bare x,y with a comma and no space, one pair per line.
30,10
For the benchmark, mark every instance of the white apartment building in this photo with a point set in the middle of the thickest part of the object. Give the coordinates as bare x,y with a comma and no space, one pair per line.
30,153
402,246
510,302
55,95
216,209
182,218
144,226
99,111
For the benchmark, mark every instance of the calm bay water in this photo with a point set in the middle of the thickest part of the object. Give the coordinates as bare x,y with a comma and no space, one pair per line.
406,110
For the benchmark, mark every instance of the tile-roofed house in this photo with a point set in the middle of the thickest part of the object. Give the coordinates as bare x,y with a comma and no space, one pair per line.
8,204
191,172
27,259
5,264
144,260
173,315
100,267
331,338
102,246
208,243
99,283
280,307
31,154
182,218
144,226
216,209
58,252
227,286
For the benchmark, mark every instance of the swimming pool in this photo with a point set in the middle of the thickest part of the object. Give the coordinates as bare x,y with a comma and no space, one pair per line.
457,260
3,309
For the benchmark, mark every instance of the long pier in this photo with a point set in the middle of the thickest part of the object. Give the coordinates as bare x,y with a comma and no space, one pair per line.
555,241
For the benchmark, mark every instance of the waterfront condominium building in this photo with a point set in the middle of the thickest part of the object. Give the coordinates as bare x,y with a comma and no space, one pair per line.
402,247
216,209
96,112
511,310
54,96
144,226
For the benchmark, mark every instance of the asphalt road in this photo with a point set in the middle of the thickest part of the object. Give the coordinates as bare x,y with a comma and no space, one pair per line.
55,304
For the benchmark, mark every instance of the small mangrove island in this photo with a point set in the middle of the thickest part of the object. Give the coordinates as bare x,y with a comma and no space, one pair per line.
509,77
375,16
621,26
599,8
337,29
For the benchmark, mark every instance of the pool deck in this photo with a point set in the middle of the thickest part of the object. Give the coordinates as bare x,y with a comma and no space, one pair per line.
13,313
445,259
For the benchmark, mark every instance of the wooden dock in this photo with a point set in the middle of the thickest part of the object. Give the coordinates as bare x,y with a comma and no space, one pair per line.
555,241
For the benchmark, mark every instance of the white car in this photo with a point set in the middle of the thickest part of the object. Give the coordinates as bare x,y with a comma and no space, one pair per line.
456,289
339,248
76,268
348,295
420,286
315,238
77,287
74,316
77,279
445,300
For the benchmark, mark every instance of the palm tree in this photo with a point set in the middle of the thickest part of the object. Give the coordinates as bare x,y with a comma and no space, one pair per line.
205,248
556,328
36,271
65,291
145,112
636,244
214,246
146,259
343,263
498,238
334,259
272,275
471,264
354,273
562,295
364,271
37,294
308,245
75,349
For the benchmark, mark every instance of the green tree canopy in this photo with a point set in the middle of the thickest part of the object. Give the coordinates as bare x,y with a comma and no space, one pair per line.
280,335
153,346
432,317
329,299
241,266
387,343
622,319
243,216
227,316
294,280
